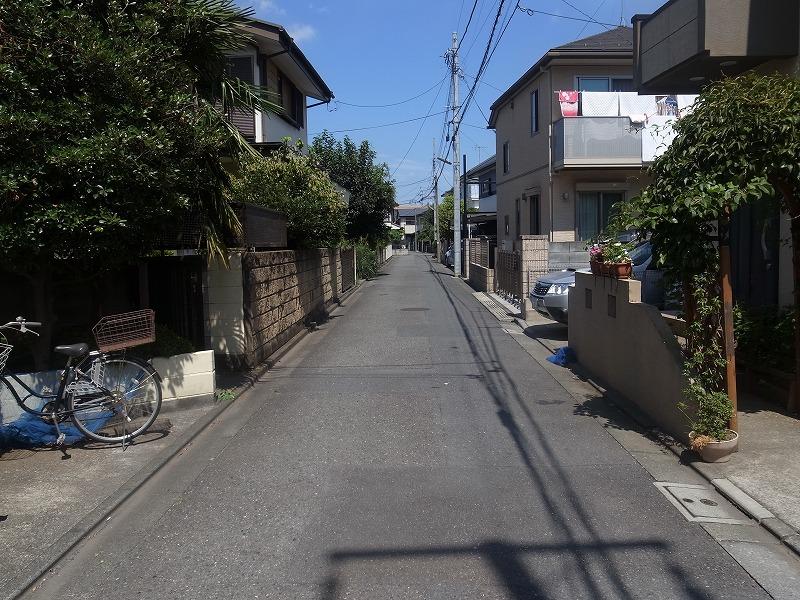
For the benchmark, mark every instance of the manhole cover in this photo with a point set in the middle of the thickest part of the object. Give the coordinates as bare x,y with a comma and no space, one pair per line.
414,309
699,503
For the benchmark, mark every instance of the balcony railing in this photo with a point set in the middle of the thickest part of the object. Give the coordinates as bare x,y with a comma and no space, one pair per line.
596,142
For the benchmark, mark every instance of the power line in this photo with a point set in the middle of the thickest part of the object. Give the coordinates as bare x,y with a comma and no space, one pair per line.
412,183
420,95
585,14
416,137
594,14
469,21
387,124
531,12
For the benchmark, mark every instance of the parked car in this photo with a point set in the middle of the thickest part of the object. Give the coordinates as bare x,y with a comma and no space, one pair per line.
549,296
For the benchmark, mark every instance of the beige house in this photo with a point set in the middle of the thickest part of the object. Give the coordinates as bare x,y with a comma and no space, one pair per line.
560,176
687,43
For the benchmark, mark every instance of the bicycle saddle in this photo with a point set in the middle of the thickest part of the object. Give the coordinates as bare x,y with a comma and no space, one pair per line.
73,350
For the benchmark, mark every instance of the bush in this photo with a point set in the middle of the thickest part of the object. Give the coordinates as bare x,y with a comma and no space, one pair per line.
366,261
765,335
714,410
168,343
292,183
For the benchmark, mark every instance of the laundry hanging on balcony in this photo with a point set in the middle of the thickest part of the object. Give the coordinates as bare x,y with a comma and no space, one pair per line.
569,103
667,106
686,103
635,106
657,136
600,104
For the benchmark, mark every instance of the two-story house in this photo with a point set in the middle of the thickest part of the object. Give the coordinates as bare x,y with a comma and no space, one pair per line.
481,198
408,217
569,136
684,45
273,60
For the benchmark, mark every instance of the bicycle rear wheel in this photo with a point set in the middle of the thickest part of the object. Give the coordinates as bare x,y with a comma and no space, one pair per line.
117,400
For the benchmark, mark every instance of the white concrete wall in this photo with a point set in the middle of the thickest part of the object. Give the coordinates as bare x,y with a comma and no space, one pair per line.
223,295
187,376
628,347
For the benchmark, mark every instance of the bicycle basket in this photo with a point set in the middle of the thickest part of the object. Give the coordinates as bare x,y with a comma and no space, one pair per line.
5,352
125,330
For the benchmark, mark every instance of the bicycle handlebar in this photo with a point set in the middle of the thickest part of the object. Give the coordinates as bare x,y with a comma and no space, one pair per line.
22,325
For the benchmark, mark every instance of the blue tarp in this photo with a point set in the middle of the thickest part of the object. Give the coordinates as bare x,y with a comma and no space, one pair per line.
29,431
562,357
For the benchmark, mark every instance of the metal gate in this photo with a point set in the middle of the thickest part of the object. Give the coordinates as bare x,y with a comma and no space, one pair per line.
508,274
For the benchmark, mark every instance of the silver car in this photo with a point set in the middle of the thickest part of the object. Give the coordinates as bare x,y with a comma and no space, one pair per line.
550,294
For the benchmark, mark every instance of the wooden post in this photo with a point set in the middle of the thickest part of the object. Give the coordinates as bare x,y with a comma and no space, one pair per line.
727,315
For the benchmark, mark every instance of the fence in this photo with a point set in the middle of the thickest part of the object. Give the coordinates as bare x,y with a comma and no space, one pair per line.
481,252
508,275
348,268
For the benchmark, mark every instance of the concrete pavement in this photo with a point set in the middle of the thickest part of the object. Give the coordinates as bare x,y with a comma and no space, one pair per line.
409,449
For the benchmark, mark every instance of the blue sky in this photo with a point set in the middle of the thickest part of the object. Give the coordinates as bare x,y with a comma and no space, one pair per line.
373,52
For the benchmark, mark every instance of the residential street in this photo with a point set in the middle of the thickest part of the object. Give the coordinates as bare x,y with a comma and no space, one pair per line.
410,448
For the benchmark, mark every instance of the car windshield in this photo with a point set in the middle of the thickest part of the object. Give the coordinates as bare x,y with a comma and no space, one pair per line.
641,253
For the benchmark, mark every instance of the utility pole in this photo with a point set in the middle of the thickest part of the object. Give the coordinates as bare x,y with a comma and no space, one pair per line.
436,206
456,166
465,223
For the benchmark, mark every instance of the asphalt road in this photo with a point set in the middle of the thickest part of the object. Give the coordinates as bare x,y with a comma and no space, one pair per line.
409,449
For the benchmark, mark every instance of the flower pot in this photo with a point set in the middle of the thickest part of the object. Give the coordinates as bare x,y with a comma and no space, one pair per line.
620,270
718,452
596,266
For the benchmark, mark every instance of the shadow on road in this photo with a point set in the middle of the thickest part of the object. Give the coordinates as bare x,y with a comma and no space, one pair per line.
587,557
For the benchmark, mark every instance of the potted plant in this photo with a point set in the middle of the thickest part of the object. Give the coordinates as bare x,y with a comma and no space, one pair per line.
710,436
610,258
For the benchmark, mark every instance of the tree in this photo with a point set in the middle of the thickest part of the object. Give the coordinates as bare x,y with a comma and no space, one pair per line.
111,125
739,144
370,185
292,183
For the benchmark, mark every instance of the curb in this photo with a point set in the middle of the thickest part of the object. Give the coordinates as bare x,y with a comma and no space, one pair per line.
52,555
785,533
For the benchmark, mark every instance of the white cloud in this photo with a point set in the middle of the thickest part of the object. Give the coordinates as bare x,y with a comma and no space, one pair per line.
270,7
301,32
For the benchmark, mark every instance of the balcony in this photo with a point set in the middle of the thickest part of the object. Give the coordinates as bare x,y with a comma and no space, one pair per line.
596,142
687,43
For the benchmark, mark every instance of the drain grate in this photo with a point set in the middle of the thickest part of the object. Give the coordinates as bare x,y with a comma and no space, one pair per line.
700,504
414,309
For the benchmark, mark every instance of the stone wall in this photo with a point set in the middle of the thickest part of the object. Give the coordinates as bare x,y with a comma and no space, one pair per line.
284,291
481,278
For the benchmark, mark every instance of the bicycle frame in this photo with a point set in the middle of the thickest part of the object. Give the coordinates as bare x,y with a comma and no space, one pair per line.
71,373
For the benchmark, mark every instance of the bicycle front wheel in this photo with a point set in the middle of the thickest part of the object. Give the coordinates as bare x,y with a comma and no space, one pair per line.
117,400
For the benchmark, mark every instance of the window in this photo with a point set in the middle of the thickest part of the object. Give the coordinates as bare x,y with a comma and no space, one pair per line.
241,67
594,84
622,84
505,222
595,209
506,158
535,223
516,219
534,112
292,100
487,188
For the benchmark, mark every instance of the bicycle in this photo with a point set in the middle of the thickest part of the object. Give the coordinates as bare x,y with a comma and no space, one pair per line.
108,396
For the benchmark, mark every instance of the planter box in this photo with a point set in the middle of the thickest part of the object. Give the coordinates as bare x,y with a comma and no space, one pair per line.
614,270
186,378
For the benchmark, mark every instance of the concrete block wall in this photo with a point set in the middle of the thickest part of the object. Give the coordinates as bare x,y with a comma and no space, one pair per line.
223,298
283,291
628,347
568,255
481,278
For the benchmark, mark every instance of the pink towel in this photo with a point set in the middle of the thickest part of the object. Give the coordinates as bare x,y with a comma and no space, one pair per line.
569,103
